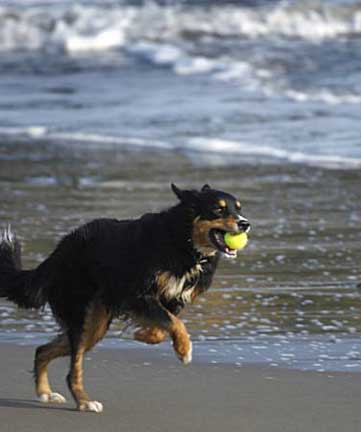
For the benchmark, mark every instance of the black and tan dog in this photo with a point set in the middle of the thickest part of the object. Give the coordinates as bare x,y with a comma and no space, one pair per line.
146,269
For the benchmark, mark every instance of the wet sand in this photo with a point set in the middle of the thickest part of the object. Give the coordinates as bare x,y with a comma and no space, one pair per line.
143,391
293,287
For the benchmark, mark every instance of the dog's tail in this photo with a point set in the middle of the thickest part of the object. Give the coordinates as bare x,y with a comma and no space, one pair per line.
22,287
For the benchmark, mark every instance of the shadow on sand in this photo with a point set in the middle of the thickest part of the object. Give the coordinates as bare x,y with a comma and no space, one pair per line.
31,404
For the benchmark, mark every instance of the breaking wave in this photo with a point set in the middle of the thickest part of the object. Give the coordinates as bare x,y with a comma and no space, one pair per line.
214,146
202,150
189,39
102,26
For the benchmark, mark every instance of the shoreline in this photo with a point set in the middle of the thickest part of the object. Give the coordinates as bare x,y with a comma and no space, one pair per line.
317,353
141,391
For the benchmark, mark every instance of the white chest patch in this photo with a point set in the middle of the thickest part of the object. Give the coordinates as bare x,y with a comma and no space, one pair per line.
180,288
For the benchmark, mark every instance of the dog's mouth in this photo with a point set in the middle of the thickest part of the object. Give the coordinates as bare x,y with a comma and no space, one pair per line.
216,236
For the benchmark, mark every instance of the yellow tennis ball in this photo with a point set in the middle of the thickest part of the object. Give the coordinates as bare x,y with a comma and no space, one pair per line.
236,241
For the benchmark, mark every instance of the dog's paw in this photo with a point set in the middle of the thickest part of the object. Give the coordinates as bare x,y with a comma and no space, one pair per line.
52,397
91,406
186,357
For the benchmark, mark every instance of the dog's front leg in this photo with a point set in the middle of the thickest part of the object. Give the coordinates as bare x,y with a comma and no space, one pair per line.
181,341
150,335
154,315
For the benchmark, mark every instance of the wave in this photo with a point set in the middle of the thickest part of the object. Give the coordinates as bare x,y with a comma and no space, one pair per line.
96,27
202,151
250,76
324,95
210,146
190,39
41,133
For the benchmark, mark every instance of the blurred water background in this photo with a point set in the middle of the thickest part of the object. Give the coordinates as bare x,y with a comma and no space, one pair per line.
104,103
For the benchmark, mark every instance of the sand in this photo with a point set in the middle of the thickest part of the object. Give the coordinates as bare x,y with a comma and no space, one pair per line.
144,391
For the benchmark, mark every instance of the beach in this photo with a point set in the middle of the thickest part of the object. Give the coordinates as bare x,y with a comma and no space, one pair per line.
142,391
102,106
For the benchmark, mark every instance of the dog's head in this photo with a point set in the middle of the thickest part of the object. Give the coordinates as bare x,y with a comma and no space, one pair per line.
215,213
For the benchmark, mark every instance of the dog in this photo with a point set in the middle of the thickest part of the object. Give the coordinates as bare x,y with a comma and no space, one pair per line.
144,269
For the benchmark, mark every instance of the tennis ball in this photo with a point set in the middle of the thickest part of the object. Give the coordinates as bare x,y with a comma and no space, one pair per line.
236,241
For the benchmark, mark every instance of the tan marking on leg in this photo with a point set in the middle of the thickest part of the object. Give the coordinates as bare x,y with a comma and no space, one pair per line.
95,326
150,335
75,378
173,326
44,355
75,382
181,341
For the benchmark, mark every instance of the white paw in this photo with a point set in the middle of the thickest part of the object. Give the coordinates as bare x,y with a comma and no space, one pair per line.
52,397
186,359
93,406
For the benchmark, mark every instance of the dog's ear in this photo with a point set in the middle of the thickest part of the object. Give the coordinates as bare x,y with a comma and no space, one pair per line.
205,188
177,191
186,196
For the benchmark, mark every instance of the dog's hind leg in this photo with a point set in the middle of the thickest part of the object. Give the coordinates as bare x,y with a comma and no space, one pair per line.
58,347
95,326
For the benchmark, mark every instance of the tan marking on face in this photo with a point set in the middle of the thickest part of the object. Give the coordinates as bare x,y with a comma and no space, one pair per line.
201,229
238,204
222,203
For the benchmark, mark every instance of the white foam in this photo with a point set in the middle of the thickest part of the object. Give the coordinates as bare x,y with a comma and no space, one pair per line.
223,148
31,131
174,57
104,40
155,52
88,138
212,150
161,33
325,96
196,65
93,138
72,28
83,27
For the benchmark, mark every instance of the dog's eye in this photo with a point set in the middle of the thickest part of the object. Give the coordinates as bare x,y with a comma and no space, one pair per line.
219,210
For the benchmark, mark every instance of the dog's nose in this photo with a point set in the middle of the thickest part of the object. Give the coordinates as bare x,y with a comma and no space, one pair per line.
244,225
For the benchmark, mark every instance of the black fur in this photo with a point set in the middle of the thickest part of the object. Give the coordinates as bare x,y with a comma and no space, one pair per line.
111,259
115,263
18,286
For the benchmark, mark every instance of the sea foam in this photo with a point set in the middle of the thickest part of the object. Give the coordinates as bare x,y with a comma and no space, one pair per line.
216,151
79,27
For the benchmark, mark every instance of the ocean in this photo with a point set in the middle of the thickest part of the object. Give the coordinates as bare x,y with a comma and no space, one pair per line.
104,103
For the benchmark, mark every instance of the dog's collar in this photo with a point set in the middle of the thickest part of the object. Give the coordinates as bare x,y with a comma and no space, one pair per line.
202,259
